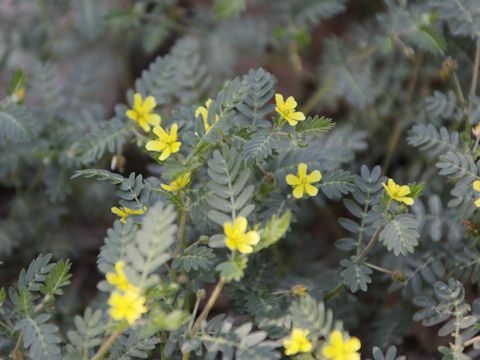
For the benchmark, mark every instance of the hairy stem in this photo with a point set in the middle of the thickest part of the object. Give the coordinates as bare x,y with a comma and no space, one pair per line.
107,344
181,241
369,247
474,83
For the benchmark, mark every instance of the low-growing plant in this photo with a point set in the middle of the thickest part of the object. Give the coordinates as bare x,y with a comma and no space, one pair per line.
225,241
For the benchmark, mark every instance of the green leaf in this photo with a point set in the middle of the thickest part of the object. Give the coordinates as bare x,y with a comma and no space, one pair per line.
260,146
16,124
355,276
224,9
87,334
194,258
16,82
274,230
400,234
232,269
315,125
58,277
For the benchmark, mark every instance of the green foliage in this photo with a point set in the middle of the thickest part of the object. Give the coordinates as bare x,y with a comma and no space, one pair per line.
400,234
315,125
231,194
87,334
275,229
355,276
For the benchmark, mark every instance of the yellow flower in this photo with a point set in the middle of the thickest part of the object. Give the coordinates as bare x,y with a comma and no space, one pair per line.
398,192
236,236
203,112
142,112
299,290
476,187
178,184
128,305
339,349
303,182
286,109
124,212
297,342
166,143
118,278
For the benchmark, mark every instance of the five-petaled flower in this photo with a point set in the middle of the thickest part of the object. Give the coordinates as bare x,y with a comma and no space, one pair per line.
338,348
119,279
142,112
398,192
178,184
125,212
237,237
302,182
166,143
297,342
127,305
203,112
476,187
286,109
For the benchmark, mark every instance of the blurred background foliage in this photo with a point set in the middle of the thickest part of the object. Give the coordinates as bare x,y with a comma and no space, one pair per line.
376,67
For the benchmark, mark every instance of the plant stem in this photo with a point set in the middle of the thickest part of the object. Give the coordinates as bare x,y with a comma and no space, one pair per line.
333,292
16,353
379,268
181,241
458,89
317,95
395,135
369,246
107,344
473,85
471,341
206,310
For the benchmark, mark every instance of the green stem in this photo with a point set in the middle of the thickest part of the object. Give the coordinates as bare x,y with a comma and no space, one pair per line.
107,344
181,241
208,307
317,95
474,83
369,247
379,268
333,292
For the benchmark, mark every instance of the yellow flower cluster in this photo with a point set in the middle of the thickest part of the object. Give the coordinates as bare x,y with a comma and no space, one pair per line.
338,348
297,342
126,301
286,109
124,212
398,192
142,113
237,237
302,182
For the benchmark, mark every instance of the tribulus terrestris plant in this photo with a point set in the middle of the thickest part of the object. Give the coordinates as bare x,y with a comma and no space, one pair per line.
293,210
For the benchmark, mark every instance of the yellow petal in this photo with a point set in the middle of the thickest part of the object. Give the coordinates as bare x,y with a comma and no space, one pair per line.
132,114
329,351
167,187
240,225
252,237
353,344
173,133
228,229
298,191
407,200
403,190
245,248
153,119
354,356
165,153
302,170
292,179
311,190
175,147
137,102
476,185
336,338
118,211
291,103
298,116
230,243
290,121
477,202
158,130
143,124
279,100
314,176
155,145
149,104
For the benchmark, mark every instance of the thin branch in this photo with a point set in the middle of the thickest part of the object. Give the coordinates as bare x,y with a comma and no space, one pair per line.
473,85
